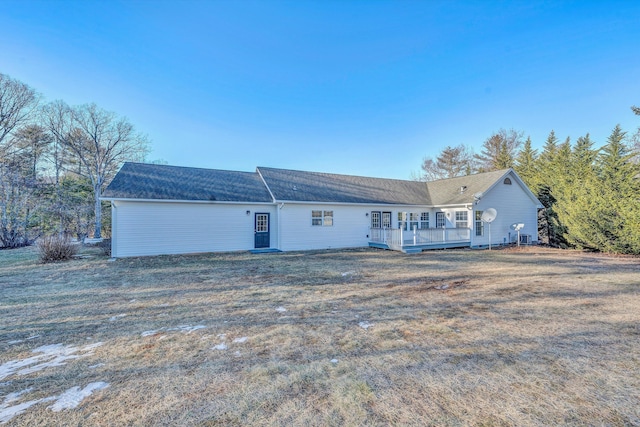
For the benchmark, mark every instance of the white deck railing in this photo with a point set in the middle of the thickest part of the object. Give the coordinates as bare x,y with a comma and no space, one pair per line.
397,238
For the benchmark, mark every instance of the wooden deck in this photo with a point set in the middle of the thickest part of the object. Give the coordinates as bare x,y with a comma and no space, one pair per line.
419,240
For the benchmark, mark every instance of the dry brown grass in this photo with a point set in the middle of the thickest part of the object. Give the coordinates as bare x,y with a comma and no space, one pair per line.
509,337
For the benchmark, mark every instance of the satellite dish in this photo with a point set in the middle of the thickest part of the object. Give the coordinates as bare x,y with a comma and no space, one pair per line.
489,215
518,226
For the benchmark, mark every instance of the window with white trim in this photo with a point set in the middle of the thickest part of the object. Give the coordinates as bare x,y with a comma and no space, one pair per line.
413,220
479,224
322,218
462,219
402,220
424,220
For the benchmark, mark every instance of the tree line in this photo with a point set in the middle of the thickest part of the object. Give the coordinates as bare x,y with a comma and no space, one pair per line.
590,194
55,161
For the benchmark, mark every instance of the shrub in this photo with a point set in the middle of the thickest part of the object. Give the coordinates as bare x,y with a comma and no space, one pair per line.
56,248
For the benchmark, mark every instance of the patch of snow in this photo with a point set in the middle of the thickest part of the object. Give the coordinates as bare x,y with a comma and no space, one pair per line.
52,355
8,412
334,361
14,342
348,273
97,365
365,325
12,397
240,340
150,333
92,346
187,328
116,317
442,287
221,346
33,337
237,354
281,309
74,396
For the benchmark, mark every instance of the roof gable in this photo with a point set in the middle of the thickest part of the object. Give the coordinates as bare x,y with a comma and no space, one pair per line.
461,189
162,182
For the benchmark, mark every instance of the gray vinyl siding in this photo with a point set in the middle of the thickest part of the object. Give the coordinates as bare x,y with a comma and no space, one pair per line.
350,229
154,228
513,205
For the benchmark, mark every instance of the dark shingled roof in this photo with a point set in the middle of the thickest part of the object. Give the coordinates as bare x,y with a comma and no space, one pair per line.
159,182
291,185
145,181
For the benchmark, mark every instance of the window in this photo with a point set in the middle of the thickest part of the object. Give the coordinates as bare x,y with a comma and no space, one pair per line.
424,220
316,217
413,220
507,181
441,222
328,219
322,218
402,220
479,224
375,220
462,219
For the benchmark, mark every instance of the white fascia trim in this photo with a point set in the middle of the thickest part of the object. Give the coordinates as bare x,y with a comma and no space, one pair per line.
390,205
297,202
211,202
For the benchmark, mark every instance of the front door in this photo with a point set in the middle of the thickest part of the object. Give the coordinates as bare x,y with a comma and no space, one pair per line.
261,231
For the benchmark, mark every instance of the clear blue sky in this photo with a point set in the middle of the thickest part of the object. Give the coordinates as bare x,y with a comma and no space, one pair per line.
356,87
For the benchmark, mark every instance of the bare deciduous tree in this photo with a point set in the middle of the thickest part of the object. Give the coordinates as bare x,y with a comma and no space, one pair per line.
499,151
451,162
17,103
99,140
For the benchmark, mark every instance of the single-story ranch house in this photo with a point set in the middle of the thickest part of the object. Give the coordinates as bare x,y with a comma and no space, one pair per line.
158,209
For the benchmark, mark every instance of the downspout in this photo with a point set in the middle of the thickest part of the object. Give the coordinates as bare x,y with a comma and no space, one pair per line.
114,229
280,206
472,228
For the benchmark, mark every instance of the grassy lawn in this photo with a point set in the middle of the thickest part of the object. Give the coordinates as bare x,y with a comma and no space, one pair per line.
527,336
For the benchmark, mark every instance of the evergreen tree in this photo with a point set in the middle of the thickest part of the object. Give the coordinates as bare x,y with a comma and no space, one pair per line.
526,166
576,210
550,175
619,227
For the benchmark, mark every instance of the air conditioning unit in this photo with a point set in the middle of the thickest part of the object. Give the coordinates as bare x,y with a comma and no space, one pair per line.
525,239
